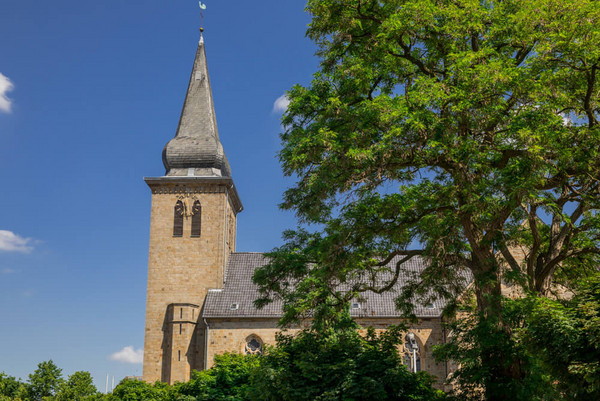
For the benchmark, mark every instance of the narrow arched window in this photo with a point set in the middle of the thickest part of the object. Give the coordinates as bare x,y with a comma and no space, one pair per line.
178,219
196,219
412,353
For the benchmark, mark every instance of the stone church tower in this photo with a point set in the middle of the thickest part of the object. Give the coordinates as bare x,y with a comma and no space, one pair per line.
192,234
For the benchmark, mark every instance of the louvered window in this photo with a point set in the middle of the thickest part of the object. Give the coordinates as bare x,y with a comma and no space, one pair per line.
196,219
178,219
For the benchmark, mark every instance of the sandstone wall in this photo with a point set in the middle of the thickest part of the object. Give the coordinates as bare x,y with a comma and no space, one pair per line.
180,271
230,335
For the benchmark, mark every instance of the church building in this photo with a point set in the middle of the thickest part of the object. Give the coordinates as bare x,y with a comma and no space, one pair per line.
200,291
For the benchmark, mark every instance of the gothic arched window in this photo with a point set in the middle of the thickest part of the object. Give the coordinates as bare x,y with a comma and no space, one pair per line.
196,219
253,345
178,219
412,353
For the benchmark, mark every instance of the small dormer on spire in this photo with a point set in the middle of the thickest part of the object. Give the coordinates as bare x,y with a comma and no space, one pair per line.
196,149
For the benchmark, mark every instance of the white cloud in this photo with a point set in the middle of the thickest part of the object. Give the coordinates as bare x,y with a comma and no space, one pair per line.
11,242
281,104
128,355
6,271
5,86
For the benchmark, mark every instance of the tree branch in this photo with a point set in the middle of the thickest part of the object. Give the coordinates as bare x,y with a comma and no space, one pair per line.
509,258
537,241
591,79
408,254
409,57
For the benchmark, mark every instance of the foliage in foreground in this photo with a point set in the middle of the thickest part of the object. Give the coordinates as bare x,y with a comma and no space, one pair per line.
555,342
340,365
565,336
337,365
230,379
475,335
47,383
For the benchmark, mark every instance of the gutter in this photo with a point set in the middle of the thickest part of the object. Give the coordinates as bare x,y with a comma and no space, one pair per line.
444,340
206,345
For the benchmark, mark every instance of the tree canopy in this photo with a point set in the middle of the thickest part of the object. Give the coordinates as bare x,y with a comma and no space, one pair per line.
45,381
78,387
464,132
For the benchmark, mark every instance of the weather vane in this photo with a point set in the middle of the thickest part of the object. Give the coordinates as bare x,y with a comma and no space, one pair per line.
202,8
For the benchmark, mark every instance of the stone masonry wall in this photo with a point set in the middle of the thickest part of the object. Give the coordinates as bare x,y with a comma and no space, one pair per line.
181,270
229,335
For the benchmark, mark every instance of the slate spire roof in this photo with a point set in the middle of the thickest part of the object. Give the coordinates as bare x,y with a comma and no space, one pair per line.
196,149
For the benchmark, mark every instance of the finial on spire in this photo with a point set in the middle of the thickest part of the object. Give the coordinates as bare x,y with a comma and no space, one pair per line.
202,8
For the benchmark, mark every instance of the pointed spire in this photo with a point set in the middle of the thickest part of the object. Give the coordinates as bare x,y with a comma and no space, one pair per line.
196,149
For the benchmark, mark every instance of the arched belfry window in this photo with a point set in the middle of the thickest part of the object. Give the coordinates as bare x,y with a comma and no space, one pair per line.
178,219
196,219
253,345
412,353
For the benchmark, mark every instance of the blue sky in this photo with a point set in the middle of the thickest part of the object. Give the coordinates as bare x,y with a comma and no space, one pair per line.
90,91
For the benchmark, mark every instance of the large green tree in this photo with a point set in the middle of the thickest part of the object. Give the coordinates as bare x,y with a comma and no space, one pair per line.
78,387
465,132
45,380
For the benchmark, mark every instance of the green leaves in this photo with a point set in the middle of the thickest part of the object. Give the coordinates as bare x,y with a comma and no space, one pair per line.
45,381
340,365
78,387
564,336
465,132
136,390
330,365
227,380
12,389
469,98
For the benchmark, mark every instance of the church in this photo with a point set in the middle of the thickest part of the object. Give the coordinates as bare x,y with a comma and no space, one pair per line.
200,292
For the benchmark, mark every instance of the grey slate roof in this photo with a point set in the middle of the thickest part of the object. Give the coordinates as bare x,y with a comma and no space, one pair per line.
239,289
196,149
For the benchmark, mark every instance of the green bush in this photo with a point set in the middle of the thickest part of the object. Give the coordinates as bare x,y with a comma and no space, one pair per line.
339,365
137,390
227,380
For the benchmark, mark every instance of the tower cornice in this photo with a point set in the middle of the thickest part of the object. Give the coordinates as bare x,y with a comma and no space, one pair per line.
196,185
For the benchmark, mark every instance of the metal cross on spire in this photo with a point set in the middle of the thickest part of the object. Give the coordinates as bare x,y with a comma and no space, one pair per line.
202,8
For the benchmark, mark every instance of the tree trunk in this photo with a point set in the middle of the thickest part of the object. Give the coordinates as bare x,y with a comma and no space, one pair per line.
503,371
